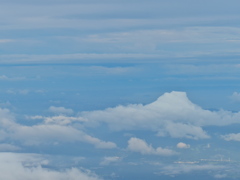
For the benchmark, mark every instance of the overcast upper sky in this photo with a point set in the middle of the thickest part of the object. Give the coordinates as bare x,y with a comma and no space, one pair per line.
119,90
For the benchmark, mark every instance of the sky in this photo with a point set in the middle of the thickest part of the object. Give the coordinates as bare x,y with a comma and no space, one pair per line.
119,90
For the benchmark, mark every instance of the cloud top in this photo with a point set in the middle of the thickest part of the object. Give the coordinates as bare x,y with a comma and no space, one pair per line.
172,114
140,146
182,145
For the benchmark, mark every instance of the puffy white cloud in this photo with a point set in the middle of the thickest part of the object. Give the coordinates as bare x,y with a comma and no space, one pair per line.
30,166
231,137
139,145
109,160
179,130
40,134
182,145
60,110
171,114
60,119
45,133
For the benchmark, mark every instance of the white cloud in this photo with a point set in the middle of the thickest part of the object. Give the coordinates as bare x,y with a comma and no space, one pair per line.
171,114
60,110
231,137
235,97
220,176
179,130
29,166
45,133
60,120
173,170
20,91
109,160
24,91
139,145
182,145
6,78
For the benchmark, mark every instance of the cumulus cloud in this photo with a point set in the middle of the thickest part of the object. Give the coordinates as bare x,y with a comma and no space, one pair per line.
139,145
60,119
171,114
45,133
182,145
30,166
42,134
109,160
231,137
179,130
60,110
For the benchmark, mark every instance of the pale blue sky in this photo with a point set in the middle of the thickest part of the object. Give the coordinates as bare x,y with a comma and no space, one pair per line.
119,90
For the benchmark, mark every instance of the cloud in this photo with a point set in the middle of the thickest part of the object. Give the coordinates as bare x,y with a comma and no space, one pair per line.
172,170
179,130
235,97
20,91
6,78
139,145
109,160
77,58
50,134
220,176
45,133
231,137
101,70
60,120
30,166
60,110
8,147
182,145
172,114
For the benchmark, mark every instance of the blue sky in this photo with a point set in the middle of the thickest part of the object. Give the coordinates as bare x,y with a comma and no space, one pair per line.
119,90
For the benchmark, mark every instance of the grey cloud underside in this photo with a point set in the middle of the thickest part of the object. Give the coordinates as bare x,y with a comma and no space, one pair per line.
172,114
